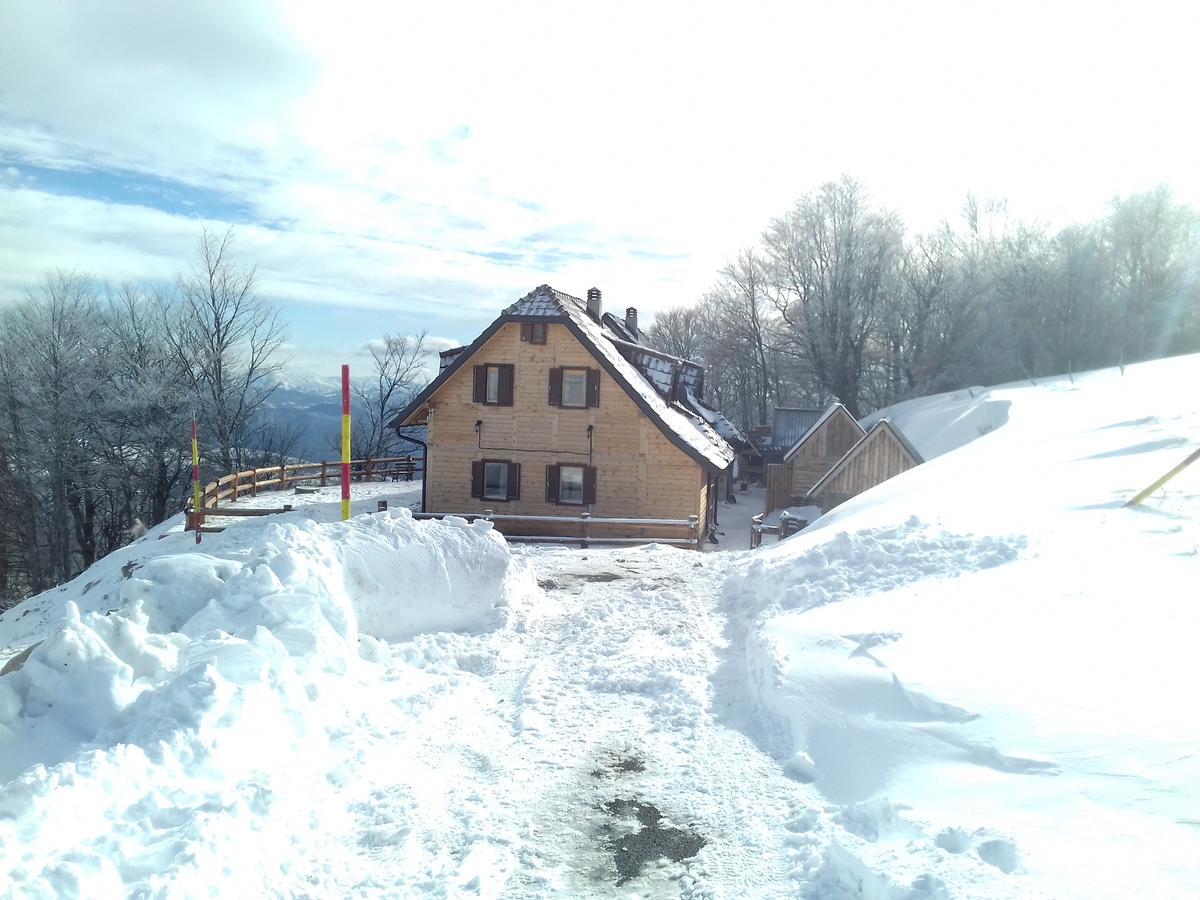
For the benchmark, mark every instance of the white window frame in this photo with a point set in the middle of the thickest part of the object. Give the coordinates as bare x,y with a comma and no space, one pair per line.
491,390
582,374
562,481
503,467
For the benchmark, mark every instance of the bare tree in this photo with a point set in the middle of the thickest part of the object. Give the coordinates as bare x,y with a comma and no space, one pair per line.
832,262
227,339
679,332
398,368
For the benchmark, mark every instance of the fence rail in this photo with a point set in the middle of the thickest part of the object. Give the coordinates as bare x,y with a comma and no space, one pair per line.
587,529
229,488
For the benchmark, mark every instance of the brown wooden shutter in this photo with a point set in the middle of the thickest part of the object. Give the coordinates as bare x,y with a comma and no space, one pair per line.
480,393
514,481
505,388
527,331
551,484
477,479
593,387
589,484
556,387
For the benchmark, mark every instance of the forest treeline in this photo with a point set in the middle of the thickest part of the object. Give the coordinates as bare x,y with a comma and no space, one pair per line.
98,387
836,301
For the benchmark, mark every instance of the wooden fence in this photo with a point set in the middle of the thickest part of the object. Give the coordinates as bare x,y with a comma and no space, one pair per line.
229,488
586,529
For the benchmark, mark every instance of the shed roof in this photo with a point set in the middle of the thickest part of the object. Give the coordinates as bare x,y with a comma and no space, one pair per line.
789,425
686,428
824,417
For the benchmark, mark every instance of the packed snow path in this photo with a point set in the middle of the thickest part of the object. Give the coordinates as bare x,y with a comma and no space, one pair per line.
504,764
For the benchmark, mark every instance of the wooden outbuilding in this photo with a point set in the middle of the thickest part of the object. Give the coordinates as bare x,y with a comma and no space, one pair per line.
882,453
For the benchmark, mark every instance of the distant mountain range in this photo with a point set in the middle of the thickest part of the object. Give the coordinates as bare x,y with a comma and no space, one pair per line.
314,407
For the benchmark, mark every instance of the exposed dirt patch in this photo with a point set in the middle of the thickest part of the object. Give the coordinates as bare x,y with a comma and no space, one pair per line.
597,576
619,764
649,843
549,584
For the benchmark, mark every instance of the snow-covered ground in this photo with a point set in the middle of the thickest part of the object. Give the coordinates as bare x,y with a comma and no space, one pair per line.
976,680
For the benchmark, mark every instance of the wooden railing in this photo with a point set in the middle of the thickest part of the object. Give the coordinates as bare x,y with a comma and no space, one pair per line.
586,529
239,485
788,525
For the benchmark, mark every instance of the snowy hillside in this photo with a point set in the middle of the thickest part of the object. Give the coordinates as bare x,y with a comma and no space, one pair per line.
974,681
989,658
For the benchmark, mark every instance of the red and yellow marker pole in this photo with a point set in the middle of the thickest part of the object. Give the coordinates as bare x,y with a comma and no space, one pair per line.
345,443
197,514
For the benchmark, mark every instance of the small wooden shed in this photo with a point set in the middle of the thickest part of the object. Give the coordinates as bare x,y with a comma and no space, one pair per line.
881,453
820,448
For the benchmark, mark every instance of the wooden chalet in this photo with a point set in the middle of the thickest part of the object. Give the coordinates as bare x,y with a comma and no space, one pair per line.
557,409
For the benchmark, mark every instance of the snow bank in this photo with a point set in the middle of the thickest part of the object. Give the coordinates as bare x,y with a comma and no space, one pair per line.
986,665
179,692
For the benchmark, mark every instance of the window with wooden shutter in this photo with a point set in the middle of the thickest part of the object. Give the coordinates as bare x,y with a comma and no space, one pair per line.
501,480
506,386
514,481
589,484
593,387
493,385
570,484
574,388
479,395
477,479
556,387
551,484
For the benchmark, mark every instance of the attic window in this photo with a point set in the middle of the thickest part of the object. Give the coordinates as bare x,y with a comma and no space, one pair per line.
534,332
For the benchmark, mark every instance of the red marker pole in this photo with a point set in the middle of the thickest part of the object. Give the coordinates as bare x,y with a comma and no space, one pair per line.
345,443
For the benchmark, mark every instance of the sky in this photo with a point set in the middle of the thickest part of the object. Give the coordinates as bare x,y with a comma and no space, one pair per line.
395,167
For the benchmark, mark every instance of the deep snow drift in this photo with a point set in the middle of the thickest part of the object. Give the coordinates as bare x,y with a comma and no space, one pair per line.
988,664
976,680
174,729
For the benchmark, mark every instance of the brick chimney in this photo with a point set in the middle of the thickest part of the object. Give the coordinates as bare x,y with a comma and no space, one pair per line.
631,321
593,303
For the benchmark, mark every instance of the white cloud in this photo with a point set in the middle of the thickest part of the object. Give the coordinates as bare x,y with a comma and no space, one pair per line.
409,156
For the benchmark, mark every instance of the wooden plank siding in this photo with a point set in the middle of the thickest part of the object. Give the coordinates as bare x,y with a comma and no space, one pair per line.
779,486
881,456
639,472
822,449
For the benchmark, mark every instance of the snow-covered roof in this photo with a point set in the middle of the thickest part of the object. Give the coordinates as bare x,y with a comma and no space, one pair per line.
825,416
720,424
687,428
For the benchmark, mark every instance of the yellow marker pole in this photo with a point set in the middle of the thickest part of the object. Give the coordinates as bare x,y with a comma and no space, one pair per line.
197,507
1142,495
345,443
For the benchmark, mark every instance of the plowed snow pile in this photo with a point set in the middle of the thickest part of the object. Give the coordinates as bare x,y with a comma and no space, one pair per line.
175,728
987,666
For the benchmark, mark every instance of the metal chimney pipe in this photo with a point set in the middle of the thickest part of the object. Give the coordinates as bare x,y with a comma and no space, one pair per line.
631,321
593,303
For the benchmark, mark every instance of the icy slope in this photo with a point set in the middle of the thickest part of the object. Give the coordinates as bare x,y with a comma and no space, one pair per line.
177,727
987,665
